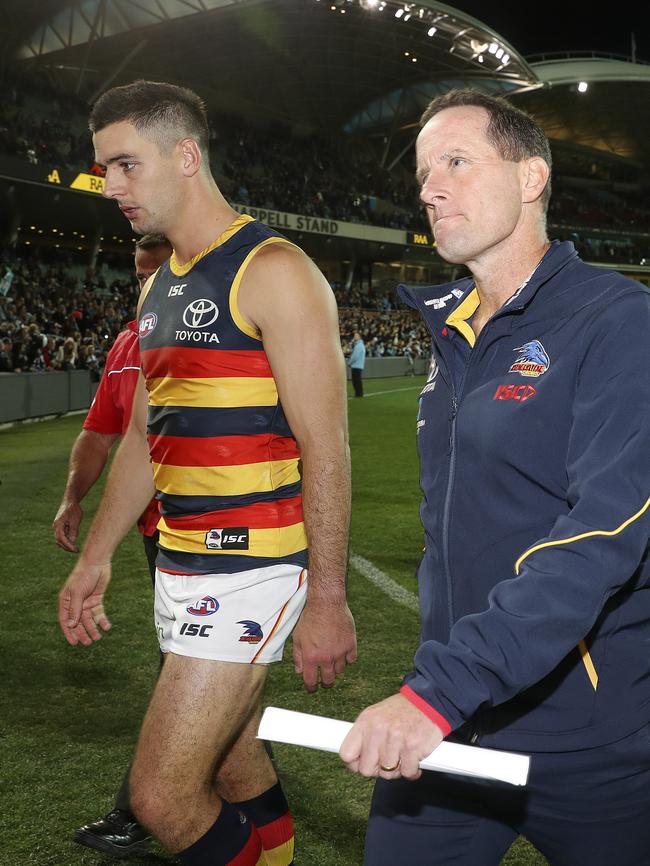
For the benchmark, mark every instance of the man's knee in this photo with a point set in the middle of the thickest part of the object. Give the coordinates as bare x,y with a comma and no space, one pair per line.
157,802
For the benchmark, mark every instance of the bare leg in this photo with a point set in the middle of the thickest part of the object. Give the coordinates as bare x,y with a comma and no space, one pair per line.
234,782
196,714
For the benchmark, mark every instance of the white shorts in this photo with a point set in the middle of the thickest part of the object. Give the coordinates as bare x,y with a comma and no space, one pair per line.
244,617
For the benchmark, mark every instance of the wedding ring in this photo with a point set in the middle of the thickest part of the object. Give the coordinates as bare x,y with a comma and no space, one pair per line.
390,769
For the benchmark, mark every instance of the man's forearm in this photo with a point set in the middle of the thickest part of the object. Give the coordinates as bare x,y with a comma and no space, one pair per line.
326,505
129,489
87,460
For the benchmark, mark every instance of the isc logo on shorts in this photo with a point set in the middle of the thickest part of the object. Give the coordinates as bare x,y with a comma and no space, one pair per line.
193,629
235,538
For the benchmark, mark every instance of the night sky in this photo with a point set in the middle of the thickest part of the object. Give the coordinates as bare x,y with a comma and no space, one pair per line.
534,27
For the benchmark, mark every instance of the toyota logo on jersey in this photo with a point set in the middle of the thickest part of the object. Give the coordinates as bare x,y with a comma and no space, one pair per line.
200,313
204,606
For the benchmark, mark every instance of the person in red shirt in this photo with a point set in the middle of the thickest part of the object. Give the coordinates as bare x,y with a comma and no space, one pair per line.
118,833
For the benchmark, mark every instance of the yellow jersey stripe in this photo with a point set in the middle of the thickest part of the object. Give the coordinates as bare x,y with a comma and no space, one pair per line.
237,317
145,291
181,270
588,663
594,532
281,855
279,542
225,480
607,533
213,393
458,318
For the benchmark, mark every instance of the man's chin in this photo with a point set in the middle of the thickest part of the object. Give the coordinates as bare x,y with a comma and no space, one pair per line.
451,255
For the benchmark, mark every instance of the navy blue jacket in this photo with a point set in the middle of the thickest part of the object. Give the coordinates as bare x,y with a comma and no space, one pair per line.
534,446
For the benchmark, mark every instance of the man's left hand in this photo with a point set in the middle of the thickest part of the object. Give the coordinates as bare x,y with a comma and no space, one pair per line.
389,740
324,640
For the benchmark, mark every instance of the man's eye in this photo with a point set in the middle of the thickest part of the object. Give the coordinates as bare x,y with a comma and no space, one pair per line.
127,166
455,161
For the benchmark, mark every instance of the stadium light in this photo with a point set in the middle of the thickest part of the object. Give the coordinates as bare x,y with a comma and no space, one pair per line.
399,12
583,87
431,31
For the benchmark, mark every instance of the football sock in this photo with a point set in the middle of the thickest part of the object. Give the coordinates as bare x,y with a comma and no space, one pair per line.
272,818
231,841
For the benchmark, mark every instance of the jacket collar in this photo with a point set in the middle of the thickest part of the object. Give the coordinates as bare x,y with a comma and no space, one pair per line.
453,303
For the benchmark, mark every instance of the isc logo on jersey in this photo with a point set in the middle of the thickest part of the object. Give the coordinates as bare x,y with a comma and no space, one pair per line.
199,314
235,538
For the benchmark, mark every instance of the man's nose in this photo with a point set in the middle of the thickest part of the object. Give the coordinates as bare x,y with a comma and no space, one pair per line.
112,185
431,191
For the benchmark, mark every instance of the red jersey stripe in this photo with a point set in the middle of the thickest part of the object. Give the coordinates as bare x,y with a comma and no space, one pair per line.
185,362
260,515
251,853
276,832
221,450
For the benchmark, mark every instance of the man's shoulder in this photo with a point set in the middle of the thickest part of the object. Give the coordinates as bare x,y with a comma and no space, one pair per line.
602,287
125,346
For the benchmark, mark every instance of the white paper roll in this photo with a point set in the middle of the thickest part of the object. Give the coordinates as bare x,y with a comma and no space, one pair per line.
318,732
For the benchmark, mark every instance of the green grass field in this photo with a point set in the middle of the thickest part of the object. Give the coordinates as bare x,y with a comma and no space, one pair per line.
70,716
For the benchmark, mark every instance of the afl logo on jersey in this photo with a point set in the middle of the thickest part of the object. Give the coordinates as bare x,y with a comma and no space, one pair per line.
200,313
204,606
147,324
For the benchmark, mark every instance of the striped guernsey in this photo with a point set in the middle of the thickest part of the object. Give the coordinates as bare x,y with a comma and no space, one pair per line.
226,464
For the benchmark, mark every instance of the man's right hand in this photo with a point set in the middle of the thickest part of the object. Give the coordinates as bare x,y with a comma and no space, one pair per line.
66,525
81,603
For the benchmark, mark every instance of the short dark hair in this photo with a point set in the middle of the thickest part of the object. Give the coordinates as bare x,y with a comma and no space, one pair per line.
152,241
165,111
514,133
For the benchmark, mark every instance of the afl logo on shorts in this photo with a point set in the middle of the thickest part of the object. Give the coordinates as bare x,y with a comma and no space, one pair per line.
205,606
147,324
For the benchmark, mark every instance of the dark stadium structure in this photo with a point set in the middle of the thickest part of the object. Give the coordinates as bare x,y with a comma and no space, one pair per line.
311,67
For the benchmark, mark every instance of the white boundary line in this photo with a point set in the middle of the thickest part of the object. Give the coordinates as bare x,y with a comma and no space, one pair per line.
385,583
389,391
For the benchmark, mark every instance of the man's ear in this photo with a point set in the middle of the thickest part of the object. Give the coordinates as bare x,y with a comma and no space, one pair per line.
536,175
190,155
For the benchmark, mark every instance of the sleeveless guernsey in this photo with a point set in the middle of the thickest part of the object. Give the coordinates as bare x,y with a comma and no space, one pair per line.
226,464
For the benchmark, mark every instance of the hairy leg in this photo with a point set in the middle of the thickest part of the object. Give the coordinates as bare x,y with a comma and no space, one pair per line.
196,714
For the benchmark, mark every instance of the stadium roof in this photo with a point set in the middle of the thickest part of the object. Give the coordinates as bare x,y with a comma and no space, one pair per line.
370,65
311,63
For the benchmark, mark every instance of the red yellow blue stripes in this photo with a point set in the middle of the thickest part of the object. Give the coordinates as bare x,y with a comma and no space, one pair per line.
179,362
213,392
222,450
259,515
279,542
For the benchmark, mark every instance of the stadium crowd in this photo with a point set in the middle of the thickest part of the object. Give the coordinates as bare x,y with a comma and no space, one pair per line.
336,178
55,316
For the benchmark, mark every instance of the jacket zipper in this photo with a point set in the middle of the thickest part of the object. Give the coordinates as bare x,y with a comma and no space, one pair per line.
455,405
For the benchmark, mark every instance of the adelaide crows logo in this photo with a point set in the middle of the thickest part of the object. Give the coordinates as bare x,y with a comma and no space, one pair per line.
252,631
532,360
